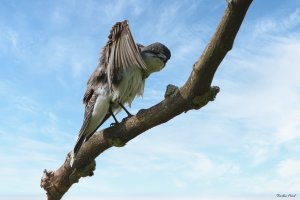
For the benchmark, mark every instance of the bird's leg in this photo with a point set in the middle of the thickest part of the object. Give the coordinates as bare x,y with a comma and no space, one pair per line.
115,141
112,114
127,112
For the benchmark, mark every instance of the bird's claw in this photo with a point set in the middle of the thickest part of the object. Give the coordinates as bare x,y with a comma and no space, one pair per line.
114,124
126,118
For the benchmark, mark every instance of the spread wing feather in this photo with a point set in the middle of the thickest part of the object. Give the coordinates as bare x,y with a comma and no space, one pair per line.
120,53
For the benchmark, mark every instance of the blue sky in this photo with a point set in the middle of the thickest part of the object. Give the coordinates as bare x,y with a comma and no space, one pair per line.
245,144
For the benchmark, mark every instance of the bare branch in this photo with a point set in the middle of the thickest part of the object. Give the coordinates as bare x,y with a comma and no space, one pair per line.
194,94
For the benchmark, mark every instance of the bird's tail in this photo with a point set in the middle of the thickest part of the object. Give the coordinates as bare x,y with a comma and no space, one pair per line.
83,138
78,144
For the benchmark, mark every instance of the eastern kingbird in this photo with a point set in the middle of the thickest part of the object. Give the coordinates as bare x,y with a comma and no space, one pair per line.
118,79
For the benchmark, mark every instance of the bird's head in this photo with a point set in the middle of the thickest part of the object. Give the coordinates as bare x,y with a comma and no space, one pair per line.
155,56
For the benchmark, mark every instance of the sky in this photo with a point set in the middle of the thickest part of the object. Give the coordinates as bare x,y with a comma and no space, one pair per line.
244,145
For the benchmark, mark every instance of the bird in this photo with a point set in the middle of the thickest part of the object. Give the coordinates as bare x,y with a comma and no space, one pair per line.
118,78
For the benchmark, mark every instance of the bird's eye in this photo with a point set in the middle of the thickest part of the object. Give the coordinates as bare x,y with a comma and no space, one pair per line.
150,52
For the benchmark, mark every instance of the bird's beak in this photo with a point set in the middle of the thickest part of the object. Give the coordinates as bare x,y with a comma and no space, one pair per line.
162,56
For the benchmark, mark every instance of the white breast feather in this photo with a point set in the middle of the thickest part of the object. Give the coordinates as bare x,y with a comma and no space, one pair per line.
132,85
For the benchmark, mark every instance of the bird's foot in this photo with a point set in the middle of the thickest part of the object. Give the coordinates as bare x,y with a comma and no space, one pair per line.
125,118
114,124
171,91
116,142
210,95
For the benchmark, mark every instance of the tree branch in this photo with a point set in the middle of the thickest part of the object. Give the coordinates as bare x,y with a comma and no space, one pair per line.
194,94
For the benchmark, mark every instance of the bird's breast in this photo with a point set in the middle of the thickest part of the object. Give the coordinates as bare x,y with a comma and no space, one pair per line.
131,85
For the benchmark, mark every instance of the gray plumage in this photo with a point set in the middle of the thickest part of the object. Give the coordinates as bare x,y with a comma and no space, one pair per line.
119,77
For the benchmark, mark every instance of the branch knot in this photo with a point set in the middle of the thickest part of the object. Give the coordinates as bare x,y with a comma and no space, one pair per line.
87,170
200,101
171,91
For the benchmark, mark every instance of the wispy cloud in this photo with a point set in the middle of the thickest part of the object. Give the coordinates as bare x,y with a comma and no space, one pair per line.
289,168
283,24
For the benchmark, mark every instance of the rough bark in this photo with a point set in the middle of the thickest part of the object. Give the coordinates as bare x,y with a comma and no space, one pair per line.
194,94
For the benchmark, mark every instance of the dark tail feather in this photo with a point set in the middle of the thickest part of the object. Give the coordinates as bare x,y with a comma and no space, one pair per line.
78,144
104,119
85,138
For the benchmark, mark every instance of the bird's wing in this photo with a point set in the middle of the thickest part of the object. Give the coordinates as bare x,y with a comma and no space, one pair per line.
97,80
89,107
120,52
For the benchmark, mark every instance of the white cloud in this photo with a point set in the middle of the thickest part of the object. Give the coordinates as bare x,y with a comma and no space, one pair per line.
279,25
265,26
265,96
289,168
179,183
13,37
77,67
9,40
26,104
179,164
117,10
59,18
293,20
200,166
289,127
